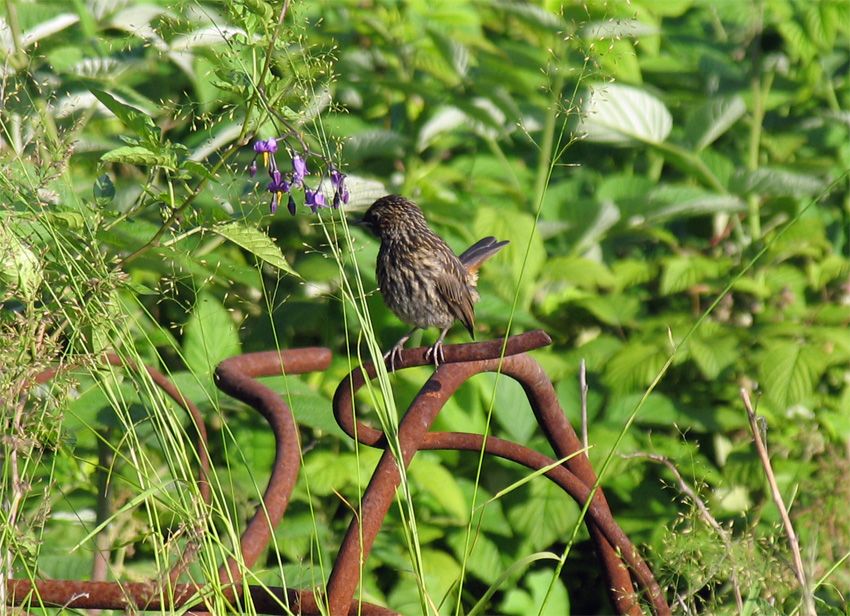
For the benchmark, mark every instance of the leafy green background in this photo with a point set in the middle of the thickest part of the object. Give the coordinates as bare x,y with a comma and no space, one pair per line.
671,175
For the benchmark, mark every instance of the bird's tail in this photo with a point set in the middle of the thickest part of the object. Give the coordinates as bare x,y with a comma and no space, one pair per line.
480,251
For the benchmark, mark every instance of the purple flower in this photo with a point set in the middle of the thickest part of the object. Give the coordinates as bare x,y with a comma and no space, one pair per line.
277,186
315,199
299,170
340,189
268,146
290,205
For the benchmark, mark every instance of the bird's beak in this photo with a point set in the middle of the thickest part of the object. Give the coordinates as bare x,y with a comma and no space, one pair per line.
358,221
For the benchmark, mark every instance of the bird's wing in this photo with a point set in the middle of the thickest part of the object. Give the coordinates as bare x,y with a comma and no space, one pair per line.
453,290
480,251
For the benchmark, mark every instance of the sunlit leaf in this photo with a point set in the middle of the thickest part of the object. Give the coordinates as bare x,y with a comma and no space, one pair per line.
789,372
712,119
135,119
210,335
139,155
257,243
435,479
776,182
620,114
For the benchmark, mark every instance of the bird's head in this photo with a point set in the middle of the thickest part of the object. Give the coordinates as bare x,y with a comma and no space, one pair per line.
393,217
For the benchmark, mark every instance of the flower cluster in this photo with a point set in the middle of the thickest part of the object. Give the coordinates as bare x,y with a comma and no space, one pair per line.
283,184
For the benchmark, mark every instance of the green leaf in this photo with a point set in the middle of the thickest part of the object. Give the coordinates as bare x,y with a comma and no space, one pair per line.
104,190
634,367
712,119
210,336
139,155
140,123
712,350
484,560
309,407
329,472
520,602
545,513
682,273
511,409
668,201
432,477
519,228
617,310
375,143
257,243
619,114
789,372
20,269
773,182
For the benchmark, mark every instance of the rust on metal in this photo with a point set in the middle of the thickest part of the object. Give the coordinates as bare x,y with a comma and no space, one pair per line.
236,376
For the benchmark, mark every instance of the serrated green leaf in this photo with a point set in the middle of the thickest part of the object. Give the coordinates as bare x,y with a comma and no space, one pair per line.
712,351
668,201
257,243
432,477
139,155
712,119
483,561
519,229
617,310
210,336
776,183
374,143
789,372
584,273
615,113
634,367
135,119
544,515
682,273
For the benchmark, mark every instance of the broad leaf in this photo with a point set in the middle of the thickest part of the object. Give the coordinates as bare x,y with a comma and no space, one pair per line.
789,372
135,119
429,475
210,336
257,243
712,119
139,155
619,114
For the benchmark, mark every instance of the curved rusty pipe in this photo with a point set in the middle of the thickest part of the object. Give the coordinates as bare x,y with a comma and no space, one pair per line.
576,476
234,376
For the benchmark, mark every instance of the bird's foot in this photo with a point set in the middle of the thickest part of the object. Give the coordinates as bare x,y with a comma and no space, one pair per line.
393,355
436,354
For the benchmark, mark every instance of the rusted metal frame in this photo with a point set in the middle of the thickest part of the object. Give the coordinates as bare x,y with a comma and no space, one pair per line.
233,376
147,596
422,412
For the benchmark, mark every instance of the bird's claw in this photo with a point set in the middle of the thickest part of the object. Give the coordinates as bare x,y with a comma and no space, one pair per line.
436,354
393,355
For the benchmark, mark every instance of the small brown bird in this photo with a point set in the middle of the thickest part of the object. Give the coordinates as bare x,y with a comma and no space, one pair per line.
421,279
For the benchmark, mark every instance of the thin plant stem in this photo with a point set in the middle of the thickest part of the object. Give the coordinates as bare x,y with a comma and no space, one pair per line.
793,542
582,380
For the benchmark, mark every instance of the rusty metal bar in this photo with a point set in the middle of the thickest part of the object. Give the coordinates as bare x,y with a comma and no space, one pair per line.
414,435
236,376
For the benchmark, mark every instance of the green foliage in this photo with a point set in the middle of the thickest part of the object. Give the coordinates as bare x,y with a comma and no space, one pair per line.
672,177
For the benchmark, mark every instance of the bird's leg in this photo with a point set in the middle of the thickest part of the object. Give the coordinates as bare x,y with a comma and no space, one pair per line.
436,351
395,353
